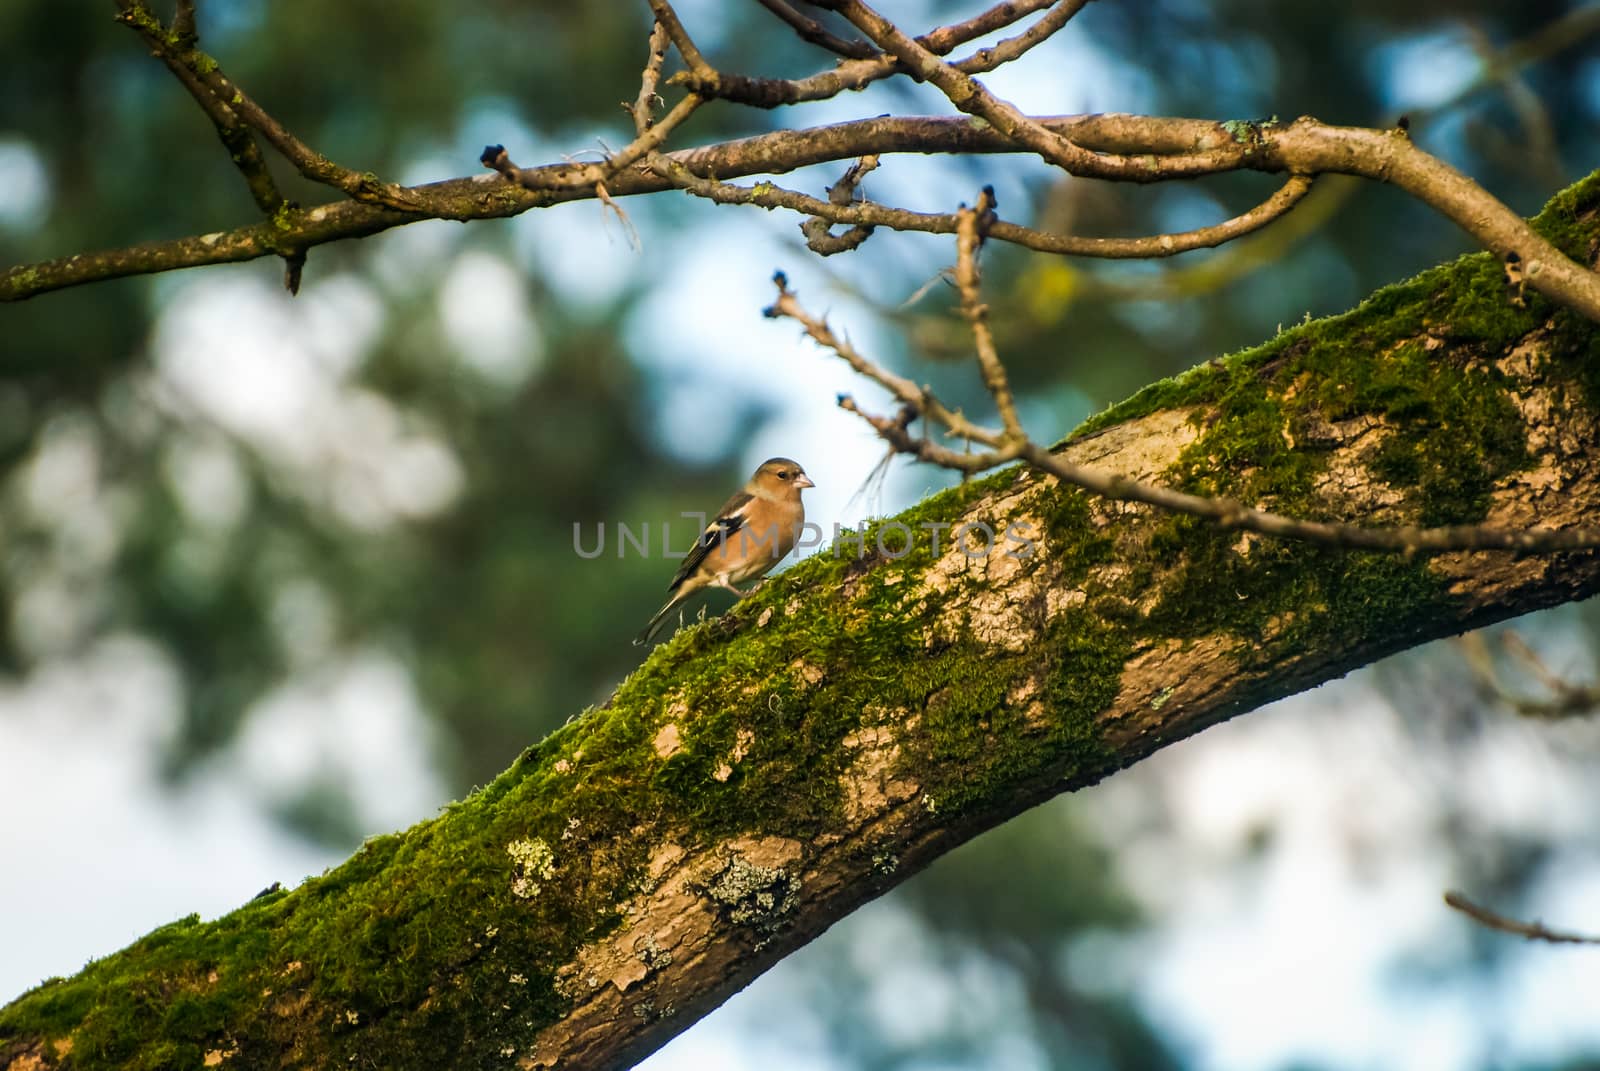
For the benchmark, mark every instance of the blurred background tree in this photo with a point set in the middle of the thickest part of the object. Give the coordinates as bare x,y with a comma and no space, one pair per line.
329,538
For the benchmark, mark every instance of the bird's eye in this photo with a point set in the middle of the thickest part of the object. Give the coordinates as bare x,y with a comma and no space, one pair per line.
783,475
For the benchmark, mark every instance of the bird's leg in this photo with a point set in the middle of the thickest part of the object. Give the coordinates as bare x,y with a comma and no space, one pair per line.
725,583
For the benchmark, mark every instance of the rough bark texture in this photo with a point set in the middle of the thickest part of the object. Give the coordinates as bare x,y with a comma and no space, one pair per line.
761,775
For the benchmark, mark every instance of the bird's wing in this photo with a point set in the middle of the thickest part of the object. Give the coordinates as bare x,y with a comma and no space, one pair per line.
730,518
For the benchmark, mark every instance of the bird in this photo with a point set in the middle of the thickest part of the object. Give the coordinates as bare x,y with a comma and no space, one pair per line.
751,533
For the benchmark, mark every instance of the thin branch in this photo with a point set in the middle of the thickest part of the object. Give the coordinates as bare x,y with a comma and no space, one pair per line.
644,105
235,134
194,68
1227,513
1156,246
947,38
1223,511
1533,931
987,59
919,398
858,74
971,226
813,32
897,434
866,214
361,186
680,38
183,24
651,134
967,94
1566,699
589,175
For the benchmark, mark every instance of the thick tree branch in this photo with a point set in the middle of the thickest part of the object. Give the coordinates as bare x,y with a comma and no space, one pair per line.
762,774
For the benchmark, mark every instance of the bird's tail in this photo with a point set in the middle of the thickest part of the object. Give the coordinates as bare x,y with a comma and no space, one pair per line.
648,633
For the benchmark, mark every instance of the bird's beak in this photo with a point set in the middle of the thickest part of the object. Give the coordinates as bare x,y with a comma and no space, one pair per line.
804,481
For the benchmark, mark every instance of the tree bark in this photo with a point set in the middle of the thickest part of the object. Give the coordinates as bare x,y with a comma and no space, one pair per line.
765,773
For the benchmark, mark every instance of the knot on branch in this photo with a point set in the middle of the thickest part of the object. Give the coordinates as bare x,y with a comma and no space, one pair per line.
816,229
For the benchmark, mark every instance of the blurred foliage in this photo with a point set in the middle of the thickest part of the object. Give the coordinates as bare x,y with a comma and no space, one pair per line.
126,507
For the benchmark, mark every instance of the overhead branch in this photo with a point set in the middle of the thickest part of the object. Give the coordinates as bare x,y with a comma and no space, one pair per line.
1303,147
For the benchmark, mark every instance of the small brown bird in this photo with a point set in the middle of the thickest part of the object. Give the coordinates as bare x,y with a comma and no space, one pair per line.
752,532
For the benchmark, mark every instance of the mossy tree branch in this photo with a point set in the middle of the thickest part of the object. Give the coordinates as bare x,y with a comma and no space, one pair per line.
763,774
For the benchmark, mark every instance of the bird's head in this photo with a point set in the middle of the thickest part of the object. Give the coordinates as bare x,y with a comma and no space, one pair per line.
779,477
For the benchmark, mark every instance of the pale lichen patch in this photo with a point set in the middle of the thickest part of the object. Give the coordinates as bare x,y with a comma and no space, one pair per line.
757,883
532,863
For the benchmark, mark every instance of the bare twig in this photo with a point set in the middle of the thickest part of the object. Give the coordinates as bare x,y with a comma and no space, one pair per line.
644,105
651,134
1533,931
813,32
864,213
1566,699
235,134
918,398
858,74
680,38
575,176
628,229
1407,539
183,25
970,96
972,224
228,106
177,51
987,59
